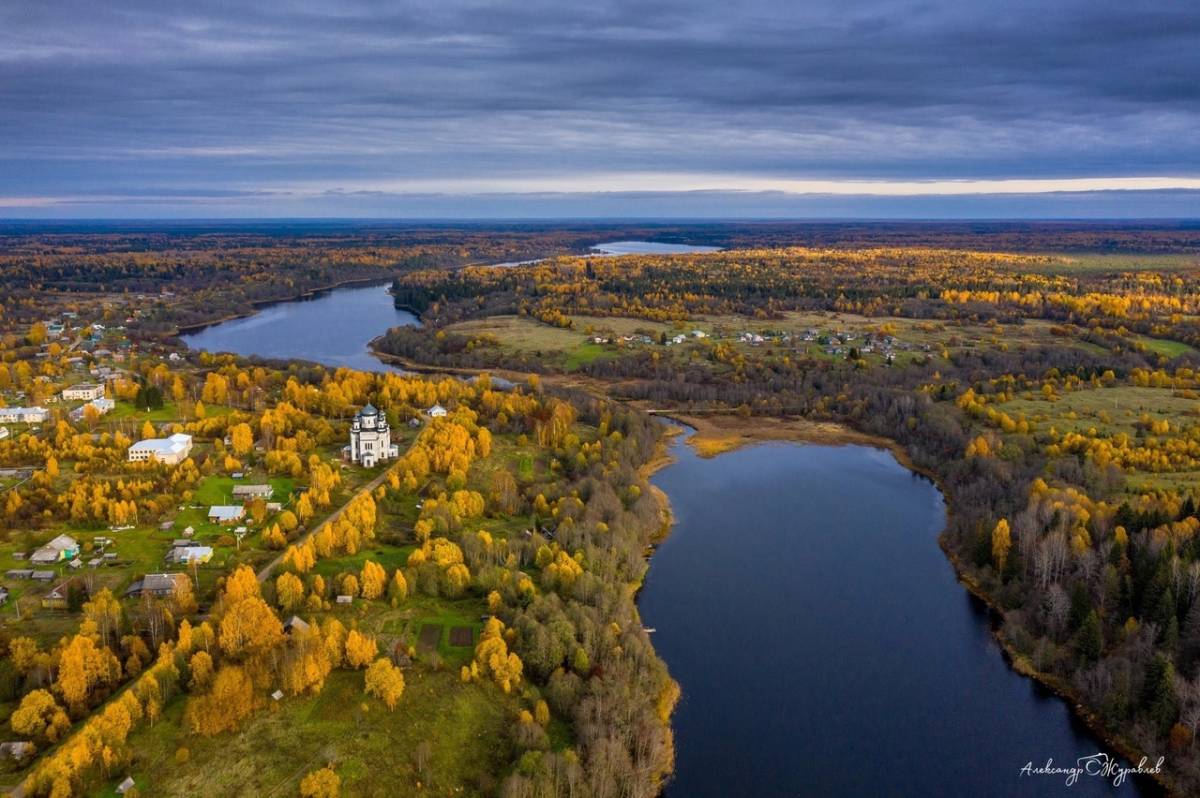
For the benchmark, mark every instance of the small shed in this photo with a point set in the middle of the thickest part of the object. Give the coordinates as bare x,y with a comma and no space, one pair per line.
125,786
16,750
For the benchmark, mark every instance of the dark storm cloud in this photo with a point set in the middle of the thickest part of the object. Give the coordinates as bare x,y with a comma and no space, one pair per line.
214,101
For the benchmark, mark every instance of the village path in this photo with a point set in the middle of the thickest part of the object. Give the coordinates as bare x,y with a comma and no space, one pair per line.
265,572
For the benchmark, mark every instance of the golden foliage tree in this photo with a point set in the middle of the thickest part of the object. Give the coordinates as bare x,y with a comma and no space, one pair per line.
385,681
323,783
39,716
360,649
223,708
1001,543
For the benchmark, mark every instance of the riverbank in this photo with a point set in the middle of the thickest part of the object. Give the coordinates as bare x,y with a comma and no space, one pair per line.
717,433
1065,692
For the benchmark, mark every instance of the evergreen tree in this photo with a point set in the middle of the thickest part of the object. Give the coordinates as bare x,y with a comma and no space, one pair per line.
1090,641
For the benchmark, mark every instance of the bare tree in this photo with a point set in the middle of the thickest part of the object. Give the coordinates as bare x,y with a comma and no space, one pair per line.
1057,605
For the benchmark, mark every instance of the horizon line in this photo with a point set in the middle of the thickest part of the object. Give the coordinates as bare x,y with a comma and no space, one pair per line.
1092,220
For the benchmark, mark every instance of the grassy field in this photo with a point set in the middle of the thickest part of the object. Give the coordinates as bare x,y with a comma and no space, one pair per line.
390,557
1110,411
1101,262
218,489
1165,347
126,410
568,350
464,726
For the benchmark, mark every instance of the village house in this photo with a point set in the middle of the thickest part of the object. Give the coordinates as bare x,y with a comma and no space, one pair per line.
3,433
226,513
253,491
189,555
23,415
63,547
59,597
437,411
102,406
84,392
171,451
160,585
370,438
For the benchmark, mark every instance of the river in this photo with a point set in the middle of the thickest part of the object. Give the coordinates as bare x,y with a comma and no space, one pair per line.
332,328
822,643
824,646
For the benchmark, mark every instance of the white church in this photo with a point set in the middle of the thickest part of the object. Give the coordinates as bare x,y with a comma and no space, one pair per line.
370,438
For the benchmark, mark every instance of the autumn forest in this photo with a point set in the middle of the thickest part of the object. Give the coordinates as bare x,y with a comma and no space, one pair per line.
227,614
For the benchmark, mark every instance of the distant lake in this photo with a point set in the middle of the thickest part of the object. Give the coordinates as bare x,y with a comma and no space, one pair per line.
332,328
615,248
824,646
649,248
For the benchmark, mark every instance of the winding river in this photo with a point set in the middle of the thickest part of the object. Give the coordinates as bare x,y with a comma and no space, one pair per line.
822,643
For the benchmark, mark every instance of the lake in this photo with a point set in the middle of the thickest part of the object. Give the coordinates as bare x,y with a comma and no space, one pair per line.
824,646
616,248
822,642
649,248
332,328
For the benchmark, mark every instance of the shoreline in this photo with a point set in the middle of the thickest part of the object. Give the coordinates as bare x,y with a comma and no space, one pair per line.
1061,689
719,432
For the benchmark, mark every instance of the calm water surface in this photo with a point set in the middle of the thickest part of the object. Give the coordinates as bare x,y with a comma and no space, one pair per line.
615,248
332,328
649,248
823,645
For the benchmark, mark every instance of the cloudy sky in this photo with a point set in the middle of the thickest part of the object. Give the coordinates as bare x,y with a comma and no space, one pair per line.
616,108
